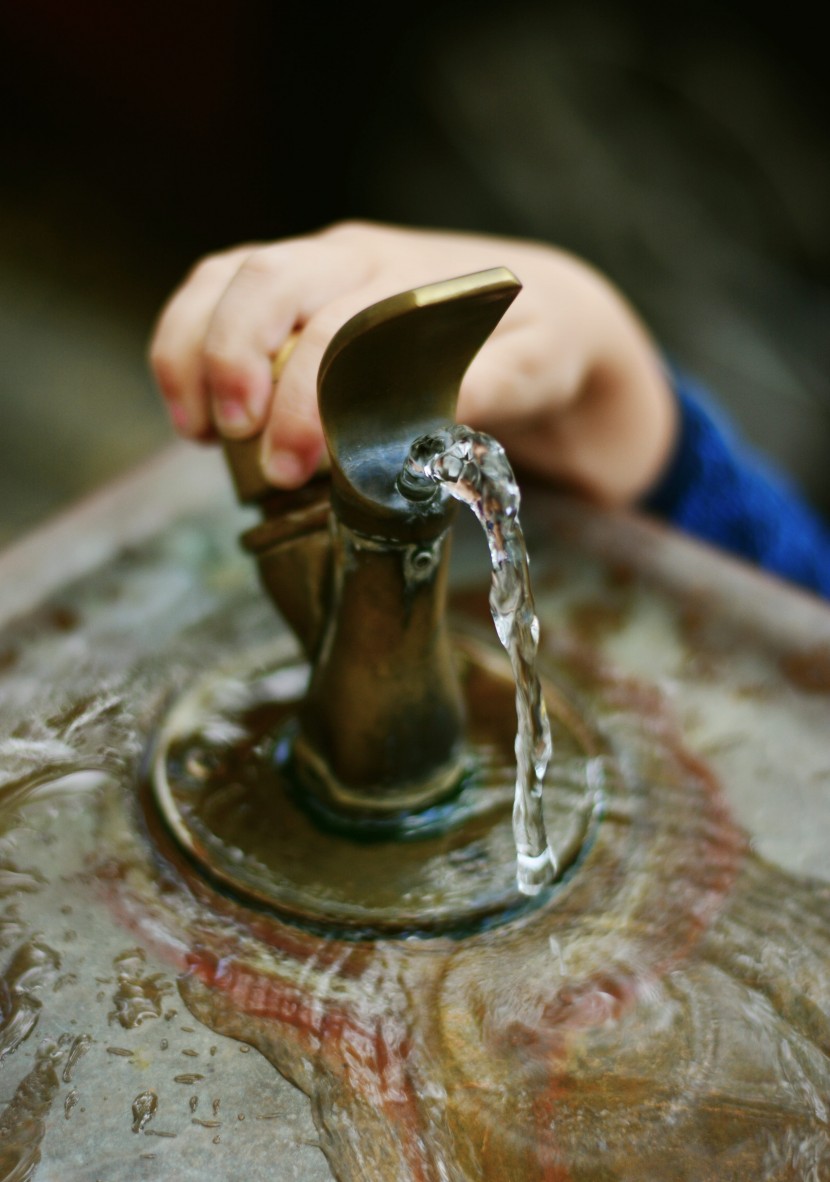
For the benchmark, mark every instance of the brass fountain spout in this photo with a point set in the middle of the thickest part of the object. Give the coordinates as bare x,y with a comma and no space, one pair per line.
359,570
377,785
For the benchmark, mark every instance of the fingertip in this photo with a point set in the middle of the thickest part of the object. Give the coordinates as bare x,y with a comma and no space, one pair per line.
240,394
284,468
290,452
178,417
233,417
187,415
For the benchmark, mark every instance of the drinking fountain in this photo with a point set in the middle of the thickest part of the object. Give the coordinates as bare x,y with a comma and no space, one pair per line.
261,914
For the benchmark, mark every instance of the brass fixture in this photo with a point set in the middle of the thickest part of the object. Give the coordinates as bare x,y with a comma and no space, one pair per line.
364,583
390,733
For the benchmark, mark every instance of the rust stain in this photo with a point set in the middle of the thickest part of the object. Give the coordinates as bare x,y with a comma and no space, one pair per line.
594,619
809,669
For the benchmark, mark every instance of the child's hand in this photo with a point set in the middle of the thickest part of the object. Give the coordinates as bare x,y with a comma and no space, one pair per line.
570,382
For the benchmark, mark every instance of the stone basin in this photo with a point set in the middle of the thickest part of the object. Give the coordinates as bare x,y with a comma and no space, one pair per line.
664,1014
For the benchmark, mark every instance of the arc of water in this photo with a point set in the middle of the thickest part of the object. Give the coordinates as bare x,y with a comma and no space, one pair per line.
473,468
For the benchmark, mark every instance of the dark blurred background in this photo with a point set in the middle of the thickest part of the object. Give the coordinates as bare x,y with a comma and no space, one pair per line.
683,151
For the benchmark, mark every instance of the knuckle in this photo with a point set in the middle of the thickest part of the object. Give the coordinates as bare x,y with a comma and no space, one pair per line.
263,262
350,230
205,269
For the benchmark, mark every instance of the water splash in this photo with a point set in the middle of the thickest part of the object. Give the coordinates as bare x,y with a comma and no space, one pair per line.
139,995
145,1106
473,468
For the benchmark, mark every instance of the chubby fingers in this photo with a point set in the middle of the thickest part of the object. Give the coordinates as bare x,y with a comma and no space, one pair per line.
177,345
293,437
212,348
215,339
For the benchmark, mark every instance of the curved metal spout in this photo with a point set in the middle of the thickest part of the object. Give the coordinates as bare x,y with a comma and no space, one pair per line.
393,373
381,729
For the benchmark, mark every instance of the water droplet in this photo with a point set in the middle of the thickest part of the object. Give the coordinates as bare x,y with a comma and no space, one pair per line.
138,995
80,1045
144,1109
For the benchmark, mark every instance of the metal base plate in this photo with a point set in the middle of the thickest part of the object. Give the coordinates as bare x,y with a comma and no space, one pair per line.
221,776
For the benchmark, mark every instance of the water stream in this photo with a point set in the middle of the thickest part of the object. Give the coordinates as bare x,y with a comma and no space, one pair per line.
473,468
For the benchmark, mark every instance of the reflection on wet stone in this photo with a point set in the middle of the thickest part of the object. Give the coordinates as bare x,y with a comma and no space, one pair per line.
144,1109
139,995
23,1121
32,968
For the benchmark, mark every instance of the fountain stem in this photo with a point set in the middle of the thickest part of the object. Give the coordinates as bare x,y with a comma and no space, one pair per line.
380,732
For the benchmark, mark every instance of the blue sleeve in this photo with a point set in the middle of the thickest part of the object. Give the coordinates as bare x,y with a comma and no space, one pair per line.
721,490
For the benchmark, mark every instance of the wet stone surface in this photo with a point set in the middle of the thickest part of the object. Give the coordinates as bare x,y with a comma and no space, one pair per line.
91,1022
668,1005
